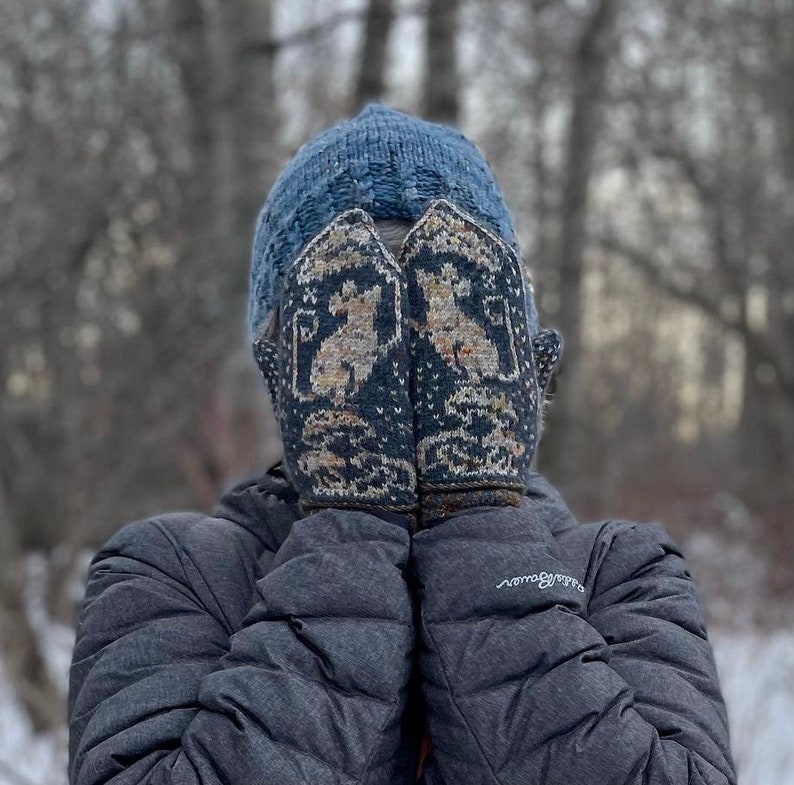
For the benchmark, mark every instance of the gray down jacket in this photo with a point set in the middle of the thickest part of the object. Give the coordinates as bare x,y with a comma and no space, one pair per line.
254,647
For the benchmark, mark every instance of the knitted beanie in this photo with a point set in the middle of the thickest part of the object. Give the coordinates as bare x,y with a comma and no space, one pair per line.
387,163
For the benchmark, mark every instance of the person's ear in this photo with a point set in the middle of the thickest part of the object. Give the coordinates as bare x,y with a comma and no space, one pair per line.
547,346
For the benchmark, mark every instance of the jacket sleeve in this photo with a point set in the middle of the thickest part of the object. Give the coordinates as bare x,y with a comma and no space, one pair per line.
534,674
310,688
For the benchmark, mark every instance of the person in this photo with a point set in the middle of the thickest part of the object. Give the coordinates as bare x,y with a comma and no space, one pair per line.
403,597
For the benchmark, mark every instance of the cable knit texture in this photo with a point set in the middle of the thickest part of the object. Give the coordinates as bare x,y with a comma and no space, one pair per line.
385,162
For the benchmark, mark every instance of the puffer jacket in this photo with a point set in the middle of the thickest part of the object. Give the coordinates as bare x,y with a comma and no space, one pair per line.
256,647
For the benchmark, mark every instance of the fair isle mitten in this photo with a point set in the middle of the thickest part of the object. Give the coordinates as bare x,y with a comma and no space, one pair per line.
338,375
478,377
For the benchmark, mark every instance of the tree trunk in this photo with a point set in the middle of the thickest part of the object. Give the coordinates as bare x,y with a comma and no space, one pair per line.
254,116
189,44
26,668
766,427
372,68
242,158
441,99
568,449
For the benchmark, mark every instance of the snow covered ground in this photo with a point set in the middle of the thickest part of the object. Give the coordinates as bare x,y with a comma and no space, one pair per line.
757,672
25,758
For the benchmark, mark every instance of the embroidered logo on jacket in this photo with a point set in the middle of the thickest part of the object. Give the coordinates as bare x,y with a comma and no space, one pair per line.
544,580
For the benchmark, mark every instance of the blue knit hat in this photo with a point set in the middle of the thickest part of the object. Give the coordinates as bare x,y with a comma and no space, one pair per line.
385,162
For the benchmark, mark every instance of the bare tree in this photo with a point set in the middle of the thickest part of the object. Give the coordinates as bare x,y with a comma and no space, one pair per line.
18,644
250,97
371,78
590,61
440,91
743,281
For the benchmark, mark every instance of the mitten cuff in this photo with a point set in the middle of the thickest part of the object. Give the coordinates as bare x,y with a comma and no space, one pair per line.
437,505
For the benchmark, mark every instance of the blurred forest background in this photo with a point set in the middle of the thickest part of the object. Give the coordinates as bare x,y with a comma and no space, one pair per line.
646,148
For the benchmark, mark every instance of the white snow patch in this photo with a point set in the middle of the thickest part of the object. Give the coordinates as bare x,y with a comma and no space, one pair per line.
757,677
27,758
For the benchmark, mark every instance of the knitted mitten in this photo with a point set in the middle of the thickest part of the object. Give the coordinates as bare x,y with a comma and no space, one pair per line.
478,377
339,373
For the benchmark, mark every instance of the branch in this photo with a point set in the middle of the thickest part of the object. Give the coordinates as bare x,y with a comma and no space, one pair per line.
757,344
311,33
691,295
709,194
689,167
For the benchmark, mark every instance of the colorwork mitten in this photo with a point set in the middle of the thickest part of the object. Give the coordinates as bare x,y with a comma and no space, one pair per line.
478,376
339,373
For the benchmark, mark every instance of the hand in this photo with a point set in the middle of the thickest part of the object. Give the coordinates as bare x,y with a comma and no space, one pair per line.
478,377
339,373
